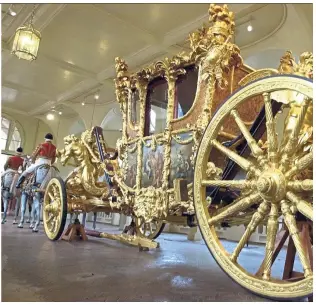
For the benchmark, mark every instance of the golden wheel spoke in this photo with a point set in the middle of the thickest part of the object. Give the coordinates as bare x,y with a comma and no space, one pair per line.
242,162
272,229
271,133
235,207
302,206
51,224
256,150
51,196
292,140
54,225
50,218
301,186
257,217
145,227
235,184
294,232
301,165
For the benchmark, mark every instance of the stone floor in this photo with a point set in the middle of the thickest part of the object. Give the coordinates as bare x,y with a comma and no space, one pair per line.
36,269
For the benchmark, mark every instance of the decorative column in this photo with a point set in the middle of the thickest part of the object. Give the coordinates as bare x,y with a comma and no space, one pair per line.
141,83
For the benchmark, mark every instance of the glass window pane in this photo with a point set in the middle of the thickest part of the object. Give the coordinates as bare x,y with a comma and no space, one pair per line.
5,123
14,145
3,143
185,91
135,107
156,112
152,126
4,133
16,135
3,161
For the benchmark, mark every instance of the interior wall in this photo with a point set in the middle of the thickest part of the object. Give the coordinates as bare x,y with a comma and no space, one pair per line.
34,130
294,35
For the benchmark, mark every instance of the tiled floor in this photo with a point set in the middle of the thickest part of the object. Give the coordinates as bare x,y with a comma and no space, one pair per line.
36,269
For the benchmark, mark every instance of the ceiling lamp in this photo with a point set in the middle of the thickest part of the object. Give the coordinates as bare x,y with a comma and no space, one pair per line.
249,27
12,12
96,96
50,117
26,41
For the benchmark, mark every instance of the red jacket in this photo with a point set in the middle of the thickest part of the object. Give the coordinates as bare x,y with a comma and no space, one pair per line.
14,162
45,150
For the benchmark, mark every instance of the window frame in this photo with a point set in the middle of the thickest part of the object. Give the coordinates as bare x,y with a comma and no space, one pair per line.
148,105
13,124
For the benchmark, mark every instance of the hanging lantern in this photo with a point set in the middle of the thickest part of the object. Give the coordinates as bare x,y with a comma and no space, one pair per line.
26,41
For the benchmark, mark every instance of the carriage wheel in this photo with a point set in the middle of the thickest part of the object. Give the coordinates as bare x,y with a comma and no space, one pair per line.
149,230
55,208
271,188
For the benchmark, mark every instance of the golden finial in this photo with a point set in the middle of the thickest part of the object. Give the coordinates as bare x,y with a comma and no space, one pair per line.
120,67
223,20
287,63
305,65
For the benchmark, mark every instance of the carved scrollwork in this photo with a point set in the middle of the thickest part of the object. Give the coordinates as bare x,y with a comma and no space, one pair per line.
85,153
213,172
150,204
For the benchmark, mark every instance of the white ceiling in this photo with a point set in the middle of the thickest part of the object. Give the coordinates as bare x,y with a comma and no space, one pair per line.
80,41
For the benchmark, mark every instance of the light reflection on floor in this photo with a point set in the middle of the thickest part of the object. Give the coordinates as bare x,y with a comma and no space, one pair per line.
36,269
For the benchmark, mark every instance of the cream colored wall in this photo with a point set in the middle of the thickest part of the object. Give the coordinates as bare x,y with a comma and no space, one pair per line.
33,130
294,35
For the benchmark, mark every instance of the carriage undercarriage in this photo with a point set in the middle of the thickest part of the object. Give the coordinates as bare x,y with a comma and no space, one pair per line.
226,162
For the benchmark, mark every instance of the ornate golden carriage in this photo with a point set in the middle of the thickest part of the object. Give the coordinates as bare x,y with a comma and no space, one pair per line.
205,136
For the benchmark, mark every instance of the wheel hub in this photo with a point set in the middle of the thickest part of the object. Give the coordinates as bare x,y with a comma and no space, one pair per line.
53,208
272,185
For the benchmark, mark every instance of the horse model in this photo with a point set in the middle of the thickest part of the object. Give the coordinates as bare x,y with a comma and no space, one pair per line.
19,194
9,191
34,188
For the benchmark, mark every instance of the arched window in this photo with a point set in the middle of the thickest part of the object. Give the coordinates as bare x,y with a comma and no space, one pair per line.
11,135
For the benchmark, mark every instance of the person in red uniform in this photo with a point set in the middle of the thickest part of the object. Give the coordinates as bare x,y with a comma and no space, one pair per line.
14,162
44,153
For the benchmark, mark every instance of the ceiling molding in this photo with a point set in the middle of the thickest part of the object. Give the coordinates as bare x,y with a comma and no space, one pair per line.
67,66
25,89
157,47
148,36
19,20
5,16
51,61
247,11
134,60
13,110
79,89
271,33
49,11
44,107
44,15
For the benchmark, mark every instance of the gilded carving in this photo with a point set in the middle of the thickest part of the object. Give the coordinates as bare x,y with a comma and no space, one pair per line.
267,182
150,204
278,180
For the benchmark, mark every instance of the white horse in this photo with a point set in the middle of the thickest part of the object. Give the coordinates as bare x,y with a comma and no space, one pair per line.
20,195
8,181
35,188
